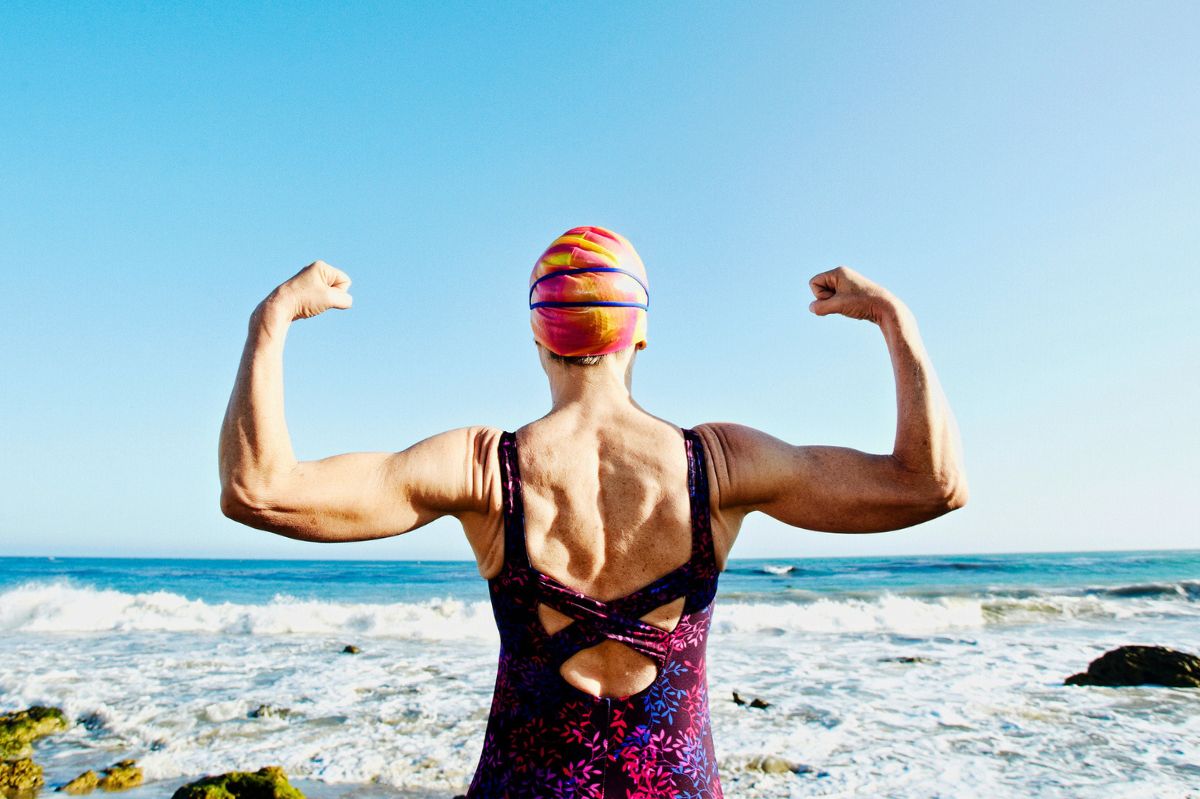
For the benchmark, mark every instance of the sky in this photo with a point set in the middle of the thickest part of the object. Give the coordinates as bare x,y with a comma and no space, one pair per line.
1024,176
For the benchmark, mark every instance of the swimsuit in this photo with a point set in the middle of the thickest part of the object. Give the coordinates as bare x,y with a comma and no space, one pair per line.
547,739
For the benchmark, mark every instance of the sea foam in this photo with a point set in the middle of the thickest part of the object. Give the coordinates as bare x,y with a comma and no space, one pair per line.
52,607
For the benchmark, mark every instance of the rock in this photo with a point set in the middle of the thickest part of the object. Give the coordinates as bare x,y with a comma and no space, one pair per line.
120,776
907,659
1141,665
19,729
754,703
20,777
269,712
266,783
773,764
351,649
84,783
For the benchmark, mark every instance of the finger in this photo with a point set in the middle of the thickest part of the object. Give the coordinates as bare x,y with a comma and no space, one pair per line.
340,299
823,285
331,274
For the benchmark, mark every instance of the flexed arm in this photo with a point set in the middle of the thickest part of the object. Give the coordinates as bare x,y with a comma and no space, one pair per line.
350,497
838,489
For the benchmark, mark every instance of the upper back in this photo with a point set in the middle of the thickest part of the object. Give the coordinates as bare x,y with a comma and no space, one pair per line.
606,500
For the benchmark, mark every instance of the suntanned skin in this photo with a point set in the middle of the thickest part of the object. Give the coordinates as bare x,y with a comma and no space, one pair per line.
605,482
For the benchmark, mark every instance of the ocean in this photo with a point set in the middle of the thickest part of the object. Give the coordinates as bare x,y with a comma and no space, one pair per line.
910,677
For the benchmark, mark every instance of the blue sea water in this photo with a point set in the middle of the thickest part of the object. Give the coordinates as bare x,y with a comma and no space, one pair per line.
886,676
1134,573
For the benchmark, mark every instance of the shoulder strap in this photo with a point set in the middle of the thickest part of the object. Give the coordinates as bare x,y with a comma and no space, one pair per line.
703,550
515,555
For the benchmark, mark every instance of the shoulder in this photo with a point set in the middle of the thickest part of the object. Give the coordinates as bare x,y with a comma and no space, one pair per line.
474,454
720,442
747,460
453,471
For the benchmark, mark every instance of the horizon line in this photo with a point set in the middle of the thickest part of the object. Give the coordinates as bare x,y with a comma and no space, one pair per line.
467,560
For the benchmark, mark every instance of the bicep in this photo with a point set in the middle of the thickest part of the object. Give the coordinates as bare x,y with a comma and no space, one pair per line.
823,488
365,495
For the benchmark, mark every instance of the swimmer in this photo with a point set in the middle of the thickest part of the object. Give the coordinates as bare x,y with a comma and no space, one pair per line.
600,528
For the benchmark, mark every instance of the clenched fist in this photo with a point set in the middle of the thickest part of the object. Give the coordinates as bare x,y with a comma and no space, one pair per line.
313,290
846,292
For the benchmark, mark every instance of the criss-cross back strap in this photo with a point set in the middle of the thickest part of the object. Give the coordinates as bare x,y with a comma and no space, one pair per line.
594,621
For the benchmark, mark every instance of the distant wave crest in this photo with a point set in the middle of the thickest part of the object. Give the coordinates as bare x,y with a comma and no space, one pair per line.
67,608
60,607
778,569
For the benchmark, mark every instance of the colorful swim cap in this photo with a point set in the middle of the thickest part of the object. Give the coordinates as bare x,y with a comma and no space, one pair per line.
588,294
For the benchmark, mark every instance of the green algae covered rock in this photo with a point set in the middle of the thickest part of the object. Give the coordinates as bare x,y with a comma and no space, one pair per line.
773,764
20,778
117,777
266,783
84,783
19,729
120,776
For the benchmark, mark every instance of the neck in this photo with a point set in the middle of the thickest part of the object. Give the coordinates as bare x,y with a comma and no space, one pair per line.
590,394
591,390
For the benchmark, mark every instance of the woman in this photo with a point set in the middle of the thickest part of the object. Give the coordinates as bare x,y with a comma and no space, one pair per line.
600,528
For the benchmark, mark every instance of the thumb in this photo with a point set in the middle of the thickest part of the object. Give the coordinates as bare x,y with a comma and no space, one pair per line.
825,307
340,299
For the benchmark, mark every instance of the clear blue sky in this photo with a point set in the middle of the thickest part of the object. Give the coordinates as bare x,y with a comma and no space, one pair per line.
1026,176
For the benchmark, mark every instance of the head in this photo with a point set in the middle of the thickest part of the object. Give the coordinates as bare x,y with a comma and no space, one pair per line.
588,294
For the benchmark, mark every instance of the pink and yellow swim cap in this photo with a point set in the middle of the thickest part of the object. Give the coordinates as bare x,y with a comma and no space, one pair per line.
588,294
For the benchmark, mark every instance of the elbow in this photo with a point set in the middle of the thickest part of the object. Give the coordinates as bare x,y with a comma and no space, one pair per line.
951,494
262,512
245,503
250,499
236,506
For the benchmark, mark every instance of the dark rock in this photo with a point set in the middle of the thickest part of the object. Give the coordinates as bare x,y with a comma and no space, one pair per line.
755,703
351,649
267,783
1141,665
20,777
907,659
92,722
269,712
19,729
84,783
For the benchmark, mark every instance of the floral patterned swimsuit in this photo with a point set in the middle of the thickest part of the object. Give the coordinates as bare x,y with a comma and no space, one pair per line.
548,739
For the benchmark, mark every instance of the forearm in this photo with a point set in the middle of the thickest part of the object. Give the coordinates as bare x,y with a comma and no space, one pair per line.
255,448
927,442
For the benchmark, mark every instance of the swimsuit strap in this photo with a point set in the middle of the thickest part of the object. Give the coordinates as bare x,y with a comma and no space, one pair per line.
703,550
516,557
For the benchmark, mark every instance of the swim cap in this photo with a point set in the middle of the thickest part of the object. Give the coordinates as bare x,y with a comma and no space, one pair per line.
588,294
